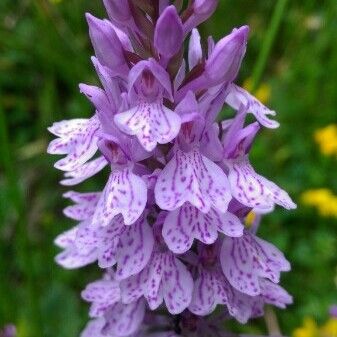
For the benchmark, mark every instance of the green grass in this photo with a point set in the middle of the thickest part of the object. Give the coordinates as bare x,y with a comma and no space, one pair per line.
44,54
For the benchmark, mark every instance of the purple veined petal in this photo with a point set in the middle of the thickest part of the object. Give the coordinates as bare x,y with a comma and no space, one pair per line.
246,259
71,258
109,240
253,190
203,299
125,193
177,285
153,291
134,287
241,306
152,123
87,238
188,106
85,204
194,49
169,34
67,238
274,294
191,177
187,223
124,319
134,249
94,328
102,294
77,140
238,96
67,128
84,172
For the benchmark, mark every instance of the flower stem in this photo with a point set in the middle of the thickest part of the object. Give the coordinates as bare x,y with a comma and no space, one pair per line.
269,39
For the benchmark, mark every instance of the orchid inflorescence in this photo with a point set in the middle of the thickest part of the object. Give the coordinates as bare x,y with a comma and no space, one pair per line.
167,229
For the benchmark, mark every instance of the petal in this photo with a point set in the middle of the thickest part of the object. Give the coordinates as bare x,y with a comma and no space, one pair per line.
194,49
152,123
183,225
85,205
67,238
246,259
274,294
153,291
133,287
71,258
84,172
253,190
177,285
228,224
94,328
68,127
191,177
102,294
124,319
203,300
134,249
125,193
79,143
109,240
238,96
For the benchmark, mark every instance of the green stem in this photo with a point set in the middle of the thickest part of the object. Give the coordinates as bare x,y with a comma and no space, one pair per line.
22,244
268,43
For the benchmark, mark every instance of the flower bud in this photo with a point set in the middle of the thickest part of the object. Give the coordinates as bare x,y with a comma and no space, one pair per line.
118,10
169,35
205,7
107,46
225,60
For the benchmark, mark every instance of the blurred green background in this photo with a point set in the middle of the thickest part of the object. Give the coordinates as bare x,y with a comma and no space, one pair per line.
44,54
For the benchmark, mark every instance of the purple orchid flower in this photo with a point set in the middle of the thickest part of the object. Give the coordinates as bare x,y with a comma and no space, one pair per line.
168,227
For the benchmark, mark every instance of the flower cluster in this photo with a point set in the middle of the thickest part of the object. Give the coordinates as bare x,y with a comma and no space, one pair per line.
167,228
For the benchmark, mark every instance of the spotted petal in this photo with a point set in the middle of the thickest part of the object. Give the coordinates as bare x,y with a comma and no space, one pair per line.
85,204
187,223
253,190
84,172
102,294
204,294
274,294
152,123
134,249
125,193
238,96
177,285
71,258
191,177
77,139
124,319
246,259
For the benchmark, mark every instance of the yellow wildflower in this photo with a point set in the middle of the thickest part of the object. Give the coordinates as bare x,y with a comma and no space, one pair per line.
262,93
309,329
323,199
329,329
326,138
